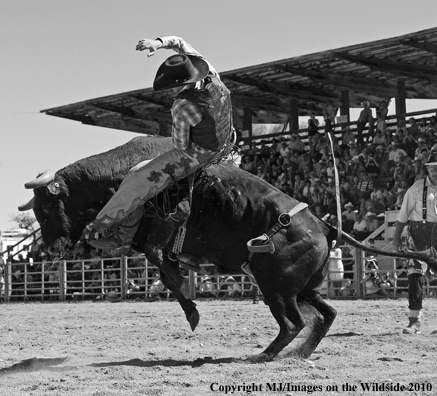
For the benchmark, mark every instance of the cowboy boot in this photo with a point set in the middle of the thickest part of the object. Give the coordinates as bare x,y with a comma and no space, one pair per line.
120,240
413,327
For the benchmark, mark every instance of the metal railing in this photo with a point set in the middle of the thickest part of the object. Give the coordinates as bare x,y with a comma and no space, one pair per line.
127,278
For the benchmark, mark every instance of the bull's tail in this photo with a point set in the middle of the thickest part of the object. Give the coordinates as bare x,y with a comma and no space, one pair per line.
429,255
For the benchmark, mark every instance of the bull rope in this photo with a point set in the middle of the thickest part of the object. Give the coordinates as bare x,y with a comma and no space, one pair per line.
337,192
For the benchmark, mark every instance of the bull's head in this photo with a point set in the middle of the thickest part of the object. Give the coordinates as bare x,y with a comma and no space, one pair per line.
52,204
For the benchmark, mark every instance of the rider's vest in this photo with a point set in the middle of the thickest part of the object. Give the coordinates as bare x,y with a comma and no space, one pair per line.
214,102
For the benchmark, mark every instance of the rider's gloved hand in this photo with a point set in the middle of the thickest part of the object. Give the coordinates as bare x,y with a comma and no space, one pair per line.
151,45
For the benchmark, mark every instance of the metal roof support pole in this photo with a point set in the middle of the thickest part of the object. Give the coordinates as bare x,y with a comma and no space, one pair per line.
401,106
294,116
345,105
247,124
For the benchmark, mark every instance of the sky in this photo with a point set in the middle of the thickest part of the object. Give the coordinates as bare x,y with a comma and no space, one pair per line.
58,52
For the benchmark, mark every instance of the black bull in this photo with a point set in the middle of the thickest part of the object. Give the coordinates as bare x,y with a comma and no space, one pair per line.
228,209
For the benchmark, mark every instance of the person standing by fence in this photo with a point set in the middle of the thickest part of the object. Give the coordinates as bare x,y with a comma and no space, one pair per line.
420,212
336,269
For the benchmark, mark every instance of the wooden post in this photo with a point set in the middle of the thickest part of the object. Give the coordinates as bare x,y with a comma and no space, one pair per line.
401,106
8,282
345,104
123,278
294,116
247,124
359,272
63,280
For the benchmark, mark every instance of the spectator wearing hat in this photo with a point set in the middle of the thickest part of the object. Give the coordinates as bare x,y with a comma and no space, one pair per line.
349,214
418,212
364,118
372,222
359,230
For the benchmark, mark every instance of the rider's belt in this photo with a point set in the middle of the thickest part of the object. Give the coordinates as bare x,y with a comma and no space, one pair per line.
263,243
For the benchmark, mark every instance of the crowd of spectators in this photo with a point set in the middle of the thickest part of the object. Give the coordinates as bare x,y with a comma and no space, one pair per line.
93,272
375,170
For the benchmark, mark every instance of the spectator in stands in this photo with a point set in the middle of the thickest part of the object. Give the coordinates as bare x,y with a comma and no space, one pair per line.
283,151
395,155
379,139
381,115
261,172
413,129
365,186
299,183
364,118
423,126
313,124
264,150
372,223
371,166
296,144
349,213
249,164
336,269
329,121
347,138
360,230
402,128
410,144
400,198
432,126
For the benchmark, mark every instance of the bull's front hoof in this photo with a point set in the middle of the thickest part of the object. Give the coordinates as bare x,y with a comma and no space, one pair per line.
261,358
193,319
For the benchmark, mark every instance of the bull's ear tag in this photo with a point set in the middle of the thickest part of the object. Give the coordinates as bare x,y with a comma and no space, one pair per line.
54,188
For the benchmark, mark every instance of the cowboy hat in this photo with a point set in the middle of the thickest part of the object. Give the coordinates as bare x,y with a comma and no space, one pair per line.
432,159
180,70
349,205
369,214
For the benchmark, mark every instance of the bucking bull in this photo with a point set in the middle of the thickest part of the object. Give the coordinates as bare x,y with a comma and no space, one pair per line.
229,207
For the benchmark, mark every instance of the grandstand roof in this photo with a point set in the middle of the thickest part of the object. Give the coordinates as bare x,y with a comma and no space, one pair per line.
369,71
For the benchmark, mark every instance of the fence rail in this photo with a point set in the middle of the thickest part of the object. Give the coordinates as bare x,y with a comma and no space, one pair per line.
121,279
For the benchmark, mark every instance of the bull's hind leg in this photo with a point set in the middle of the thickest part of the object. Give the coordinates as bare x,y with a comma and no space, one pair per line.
286,312
320,328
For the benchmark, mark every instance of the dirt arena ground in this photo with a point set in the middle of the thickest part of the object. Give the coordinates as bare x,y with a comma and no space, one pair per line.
141,348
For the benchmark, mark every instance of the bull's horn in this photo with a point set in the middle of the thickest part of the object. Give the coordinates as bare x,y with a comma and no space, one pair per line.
26,206
42,180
